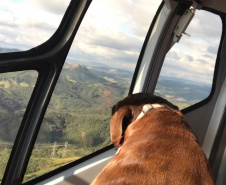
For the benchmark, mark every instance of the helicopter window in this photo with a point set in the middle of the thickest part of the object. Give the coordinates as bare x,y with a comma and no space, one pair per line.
15,91
97,73
187,74
26,24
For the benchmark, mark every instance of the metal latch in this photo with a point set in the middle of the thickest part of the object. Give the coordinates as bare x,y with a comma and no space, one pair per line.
184,22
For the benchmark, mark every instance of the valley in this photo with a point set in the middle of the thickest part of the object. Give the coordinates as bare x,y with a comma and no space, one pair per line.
77,119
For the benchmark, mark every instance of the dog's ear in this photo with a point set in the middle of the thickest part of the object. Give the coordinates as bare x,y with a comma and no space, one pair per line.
118,122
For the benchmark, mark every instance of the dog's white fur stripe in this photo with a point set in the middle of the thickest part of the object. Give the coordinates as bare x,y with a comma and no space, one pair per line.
146,108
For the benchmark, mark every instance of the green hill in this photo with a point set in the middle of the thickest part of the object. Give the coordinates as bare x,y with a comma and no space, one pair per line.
182,92
80,95
84,94
79,111
80,73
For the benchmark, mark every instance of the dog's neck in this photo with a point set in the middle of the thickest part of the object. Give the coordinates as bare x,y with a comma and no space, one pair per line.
145,108
148,107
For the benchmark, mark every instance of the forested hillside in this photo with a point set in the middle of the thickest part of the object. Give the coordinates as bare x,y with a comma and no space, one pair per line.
78,114
80,95
77,119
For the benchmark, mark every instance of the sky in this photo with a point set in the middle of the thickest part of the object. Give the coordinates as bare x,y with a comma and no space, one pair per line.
112,33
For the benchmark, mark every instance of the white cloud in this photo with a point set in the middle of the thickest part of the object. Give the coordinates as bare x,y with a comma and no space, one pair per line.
194,57
27,25
112,32
191,60
206,25
52,6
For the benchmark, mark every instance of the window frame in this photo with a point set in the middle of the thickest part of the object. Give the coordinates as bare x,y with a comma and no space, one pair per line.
216,66
70,165
47,59
162,48
105,149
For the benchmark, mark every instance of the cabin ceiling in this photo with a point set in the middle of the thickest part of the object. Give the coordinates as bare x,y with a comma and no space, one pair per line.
218,5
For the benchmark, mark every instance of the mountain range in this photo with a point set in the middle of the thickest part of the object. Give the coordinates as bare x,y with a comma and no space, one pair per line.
78,113
85,94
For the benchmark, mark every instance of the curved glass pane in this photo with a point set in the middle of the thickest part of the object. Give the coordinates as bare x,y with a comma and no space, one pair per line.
25,24
187,74
97,73
15,92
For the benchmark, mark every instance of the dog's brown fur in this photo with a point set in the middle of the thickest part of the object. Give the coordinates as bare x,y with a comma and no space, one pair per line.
158,149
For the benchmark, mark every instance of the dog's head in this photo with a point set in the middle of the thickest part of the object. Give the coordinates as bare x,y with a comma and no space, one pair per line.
127,110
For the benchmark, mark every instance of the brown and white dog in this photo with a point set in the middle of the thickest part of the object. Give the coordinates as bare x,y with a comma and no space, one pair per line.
158,146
